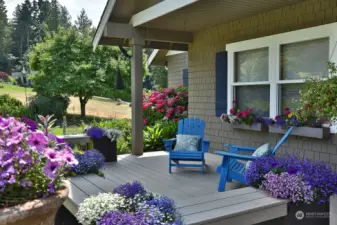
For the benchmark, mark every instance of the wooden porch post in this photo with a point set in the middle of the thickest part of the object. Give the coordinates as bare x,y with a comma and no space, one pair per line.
137,95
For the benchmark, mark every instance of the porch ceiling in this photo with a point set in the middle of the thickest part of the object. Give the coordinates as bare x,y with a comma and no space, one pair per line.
207,13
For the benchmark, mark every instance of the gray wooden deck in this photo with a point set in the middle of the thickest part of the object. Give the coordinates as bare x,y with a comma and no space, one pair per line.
195,194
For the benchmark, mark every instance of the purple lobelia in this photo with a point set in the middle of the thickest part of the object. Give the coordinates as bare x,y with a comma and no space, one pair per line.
91,161
288,186
319,176
129,190
31,165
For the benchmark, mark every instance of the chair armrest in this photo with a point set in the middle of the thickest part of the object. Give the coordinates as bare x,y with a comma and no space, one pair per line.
169,144
236,156
205,145
240,148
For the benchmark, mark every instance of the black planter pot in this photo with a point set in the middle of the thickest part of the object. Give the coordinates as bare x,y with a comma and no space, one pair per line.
307,214
107,148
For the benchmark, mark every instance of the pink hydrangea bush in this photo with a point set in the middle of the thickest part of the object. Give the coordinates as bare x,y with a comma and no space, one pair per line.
32,163
165,104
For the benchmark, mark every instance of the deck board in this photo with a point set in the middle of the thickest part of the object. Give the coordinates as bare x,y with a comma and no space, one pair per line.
195,194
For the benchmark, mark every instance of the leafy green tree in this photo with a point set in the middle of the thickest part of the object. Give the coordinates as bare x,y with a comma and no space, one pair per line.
83,22
66,65
160,76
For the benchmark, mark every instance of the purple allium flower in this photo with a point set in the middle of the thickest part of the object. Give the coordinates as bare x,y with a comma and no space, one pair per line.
51,169
91,161
95,132
129,190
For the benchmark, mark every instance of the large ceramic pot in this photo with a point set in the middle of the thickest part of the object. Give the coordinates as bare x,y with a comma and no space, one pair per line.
307,214
37,212
107,148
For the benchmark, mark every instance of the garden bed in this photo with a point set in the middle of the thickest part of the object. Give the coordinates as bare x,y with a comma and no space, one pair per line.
254,127
319,133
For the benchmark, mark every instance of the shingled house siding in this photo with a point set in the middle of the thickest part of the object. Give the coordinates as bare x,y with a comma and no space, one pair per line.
176,64
202,56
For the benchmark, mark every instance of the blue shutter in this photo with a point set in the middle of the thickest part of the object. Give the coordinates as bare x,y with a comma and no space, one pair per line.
221,83
185,77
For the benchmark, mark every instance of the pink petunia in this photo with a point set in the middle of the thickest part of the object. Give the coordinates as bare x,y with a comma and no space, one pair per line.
51,169
37,141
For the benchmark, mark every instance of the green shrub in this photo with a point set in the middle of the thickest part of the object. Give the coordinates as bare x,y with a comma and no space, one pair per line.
11,106
153,138
43,105
169,128
12,80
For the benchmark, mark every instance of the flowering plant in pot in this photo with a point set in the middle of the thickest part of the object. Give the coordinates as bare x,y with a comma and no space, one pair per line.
129,203
309,185
105,141
32,165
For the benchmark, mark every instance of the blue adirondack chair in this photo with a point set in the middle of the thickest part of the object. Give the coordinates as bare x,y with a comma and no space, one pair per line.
231,168
189,126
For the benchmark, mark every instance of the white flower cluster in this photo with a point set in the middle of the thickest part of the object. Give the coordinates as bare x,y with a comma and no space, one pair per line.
93,208
113,134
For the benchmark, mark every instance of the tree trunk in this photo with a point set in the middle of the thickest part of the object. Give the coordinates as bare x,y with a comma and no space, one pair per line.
83,102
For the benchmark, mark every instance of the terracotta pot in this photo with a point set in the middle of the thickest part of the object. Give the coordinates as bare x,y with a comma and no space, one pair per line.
37,212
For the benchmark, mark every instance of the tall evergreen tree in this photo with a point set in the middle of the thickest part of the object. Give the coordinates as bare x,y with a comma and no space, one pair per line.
83,22
65,18
3,27
53,19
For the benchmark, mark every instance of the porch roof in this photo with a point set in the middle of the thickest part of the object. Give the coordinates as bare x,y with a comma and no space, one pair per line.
170,24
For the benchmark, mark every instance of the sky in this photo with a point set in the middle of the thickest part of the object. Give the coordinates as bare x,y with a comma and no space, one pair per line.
94,8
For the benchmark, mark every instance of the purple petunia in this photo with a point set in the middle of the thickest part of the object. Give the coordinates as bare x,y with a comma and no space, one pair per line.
32,125
31,160
51,169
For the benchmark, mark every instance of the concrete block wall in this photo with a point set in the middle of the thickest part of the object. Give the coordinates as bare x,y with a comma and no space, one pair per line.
176,64
201,63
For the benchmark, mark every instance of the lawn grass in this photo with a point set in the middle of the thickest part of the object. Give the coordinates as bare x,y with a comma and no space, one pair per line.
15,89
58,131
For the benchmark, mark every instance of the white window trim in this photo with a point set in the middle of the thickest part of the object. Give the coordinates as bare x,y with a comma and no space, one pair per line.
273,43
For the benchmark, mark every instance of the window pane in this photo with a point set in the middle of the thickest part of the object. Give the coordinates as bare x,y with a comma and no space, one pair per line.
305,59
251,65
255,97
289,96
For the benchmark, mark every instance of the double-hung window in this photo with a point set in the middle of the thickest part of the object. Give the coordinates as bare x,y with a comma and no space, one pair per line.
267,73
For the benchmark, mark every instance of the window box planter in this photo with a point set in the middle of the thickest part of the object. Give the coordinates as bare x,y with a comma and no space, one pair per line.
311,132
254,127
308,214
107,148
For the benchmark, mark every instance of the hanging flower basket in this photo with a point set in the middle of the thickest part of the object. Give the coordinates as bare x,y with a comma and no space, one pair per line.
311,132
